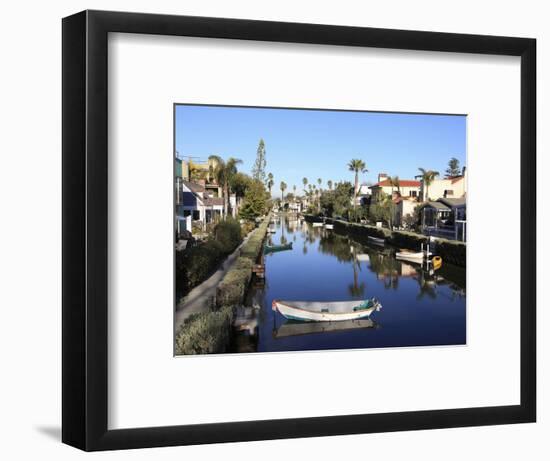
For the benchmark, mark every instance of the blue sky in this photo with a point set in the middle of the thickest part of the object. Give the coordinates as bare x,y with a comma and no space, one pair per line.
319,144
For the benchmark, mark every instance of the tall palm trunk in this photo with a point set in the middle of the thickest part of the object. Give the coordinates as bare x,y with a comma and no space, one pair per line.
225,199
355,189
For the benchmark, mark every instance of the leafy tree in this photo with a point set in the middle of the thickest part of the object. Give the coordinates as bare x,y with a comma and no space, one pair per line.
336,202
258,170
357,166
255,201
224,172
240,182
453,169
427,177
383,210
329,184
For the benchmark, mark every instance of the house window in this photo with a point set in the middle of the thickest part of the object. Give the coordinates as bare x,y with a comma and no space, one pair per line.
412,193
196,215
448,192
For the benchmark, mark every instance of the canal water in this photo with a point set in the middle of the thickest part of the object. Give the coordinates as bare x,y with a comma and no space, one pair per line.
418,308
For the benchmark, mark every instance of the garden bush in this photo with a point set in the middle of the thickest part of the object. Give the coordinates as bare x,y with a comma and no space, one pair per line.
228,234
205,333
452,252
247,227
232,288
409,240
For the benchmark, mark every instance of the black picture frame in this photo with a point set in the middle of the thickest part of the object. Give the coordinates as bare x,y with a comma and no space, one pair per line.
85,220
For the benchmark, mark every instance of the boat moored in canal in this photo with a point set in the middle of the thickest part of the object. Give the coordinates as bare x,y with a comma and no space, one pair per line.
275,248
326,311
417,257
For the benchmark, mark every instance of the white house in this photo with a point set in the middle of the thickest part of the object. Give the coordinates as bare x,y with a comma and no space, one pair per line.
194,200
407,187
451,187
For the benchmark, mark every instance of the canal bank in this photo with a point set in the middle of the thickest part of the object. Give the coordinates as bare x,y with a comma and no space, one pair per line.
451,251
205,326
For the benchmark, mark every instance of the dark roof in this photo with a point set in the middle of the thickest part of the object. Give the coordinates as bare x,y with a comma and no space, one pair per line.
437,205
453,202
193,186
213,201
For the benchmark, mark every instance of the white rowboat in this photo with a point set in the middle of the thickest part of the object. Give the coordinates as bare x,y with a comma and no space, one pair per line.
319,311
329,226
317,224
409,256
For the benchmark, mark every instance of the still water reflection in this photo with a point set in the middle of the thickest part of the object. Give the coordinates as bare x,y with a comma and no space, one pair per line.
418,308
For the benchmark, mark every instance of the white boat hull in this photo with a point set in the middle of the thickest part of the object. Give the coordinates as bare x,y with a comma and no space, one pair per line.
323,311
329,226
317,224
414,257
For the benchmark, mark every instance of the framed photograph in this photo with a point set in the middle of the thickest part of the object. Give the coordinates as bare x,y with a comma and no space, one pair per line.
280,230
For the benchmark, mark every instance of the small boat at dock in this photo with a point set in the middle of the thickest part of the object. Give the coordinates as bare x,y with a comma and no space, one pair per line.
317,224
329,226
376,240
275,248
326,311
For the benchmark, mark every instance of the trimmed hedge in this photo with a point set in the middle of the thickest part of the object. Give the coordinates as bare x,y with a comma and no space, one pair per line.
232,288
452,252
205,333
409,240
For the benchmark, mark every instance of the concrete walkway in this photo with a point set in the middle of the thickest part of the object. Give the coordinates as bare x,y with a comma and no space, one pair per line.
200,298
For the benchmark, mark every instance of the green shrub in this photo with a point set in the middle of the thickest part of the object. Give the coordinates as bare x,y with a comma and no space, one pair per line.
228,234
247,227
232,288
409,240
205,333
195,264
452,252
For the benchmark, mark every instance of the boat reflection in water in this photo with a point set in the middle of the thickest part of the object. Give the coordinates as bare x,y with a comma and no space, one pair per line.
294,328
420,307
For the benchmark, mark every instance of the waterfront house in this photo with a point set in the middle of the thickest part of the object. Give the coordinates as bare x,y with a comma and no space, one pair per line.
404,206
445,217
198,201
449,187
407,187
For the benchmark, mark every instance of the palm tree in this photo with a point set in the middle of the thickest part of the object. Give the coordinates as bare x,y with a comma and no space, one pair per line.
283,188
427,178
357,166
394,182
319,181
270,182
223,172
304,182
329,184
